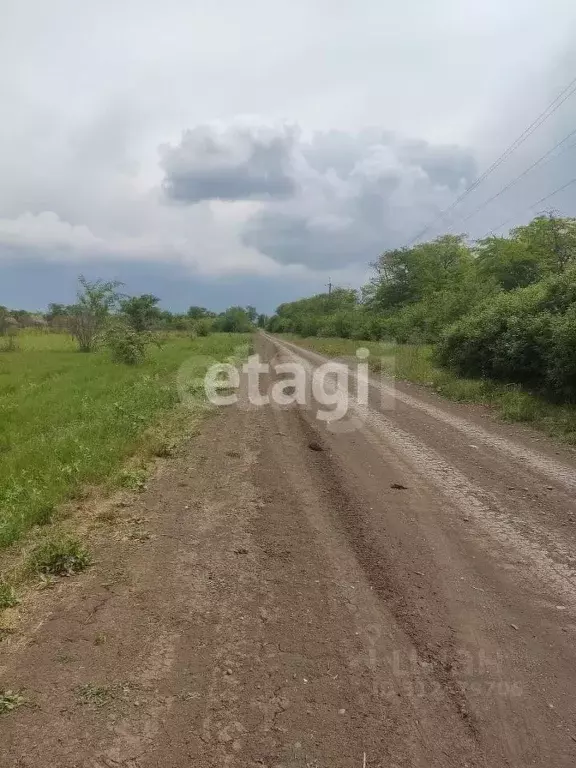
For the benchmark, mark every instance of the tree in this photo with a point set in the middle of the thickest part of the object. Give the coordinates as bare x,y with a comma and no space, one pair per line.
252,313
509,263
407,275
233,320
141,312
89,315
56,310
196,313
550,240
57,316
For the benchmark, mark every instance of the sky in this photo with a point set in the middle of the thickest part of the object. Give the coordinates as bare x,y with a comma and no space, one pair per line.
220,153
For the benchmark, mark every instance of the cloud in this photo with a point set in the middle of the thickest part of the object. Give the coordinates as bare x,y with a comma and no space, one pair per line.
207,244
47,230
234,162
81,178
332,200
358,194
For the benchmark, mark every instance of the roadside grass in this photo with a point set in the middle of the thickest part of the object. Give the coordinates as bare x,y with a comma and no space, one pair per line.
415,363
70,421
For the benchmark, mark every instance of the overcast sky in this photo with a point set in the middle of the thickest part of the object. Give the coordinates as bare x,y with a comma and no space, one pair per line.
219,151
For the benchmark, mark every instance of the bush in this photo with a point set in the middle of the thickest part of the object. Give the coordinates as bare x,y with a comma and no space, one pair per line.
359,333
59,556
203,327
527,336
126,345
328,330
561,356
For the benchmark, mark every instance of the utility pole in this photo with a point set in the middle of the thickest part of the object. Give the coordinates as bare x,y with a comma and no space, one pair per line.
329,286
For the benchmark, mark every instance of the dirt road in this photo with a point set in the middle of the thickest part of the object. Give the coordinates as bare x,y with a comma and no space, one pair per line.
399,594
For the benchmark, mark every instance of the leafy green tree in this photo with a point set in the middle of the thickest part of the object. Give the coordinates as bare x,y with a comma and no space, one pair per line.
141,312
233,320
407,275
56,310
506,262
550,240
195,313
96,300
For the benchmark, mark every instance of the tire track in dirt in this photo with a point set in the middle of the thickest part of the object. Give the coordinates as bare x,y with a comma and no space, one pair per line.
521,567
479,504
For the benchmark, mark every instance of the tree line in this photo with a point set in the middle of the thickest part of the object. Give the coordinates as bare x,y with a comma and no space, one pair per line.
102,314
503,307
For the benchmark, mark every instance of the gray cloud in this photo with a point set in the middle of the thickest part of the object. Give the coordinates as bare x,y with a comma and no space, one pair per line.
237,162
358,194
335,199
79,175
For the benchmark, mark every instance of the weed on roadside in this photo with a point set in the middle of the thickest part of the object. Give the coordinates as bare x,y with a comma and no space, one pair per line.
65,658
93,695
59,556
132,479
9,701
8,597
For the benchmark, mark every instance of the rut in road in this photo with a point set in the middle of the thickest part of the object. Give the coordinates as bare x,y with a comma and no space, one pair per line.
291,607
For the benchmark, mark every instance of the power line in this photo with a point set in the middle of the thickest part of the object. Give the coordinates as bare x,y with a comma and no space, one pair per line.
542,117
530,207
545,157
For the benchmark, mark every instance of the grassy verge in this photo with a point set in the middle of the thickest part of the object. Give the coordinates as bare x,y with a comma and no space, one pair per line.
70,420
415,363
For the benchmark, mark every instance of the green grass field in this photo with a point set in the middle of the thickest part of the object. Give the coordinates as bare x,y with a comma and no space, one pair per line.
415,363
69,420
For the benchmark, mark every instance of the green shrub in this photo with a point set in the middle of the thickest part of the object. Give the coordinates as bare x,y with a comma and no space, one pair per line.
327,331
8,597
59,556
125,344
203,327
526,336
